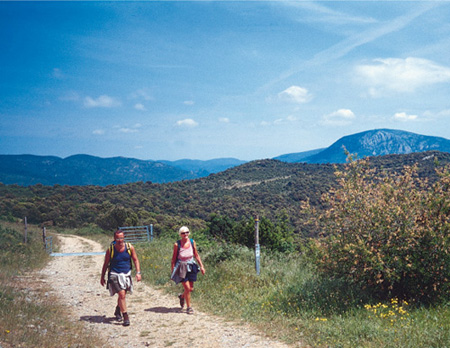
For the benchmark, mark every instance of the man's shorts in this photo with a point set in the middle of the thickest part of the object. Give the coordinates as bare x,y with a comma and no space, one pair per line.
115,284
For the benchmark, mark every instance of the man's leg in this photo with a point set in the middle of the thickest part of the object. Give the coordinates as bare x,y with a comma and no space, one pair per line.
121,301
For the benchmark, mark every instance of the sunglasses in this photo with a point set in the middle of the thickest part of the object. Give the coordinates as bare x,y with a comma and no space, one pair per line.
184,233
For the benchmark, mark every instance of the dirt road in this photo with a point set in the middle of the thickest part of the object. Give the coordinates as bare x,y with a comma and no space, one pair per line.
156,319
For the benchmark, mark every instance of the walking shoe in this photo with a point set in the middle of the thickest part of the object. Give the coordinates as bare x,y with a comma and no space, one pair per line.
190,310
126,320
118,314
180,296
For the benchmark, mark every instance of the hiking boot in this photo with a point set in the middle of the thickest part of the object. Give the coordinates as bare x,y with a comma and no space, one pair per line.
190,310
118,314
180,296
126,320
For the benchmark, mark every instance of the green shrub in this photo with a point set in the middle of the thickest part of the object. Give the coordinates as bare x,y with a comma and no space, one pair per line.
388,233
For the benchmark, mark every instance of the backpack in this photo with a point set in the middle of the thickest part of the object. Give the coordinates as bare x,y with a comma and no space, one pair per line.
111,253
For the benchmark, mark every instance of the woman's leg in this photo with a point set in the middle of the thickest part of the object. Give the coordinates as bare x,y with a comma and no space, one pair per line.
187,293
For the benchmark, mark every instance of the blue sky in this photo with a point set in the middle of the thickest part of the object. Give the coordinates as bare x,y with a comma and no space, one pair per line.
210,79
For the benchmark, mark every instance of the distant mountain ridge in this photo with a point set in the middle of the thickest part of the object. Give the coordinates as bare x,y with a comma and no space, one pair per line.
28,170
378,142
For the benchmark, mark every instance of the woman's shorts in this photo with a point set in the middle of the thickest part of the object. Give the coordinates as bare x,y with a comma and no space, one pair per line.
190,276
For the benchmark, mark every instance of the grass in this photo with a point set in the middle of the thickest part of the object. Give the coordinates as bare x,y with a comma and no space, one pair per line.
289,302
29,315
286,301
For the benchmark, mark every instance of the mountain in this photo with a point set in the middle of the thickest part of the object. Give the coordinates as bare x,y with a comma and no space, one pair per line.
378,142
297,156
204,168
90,170
28,170
84,170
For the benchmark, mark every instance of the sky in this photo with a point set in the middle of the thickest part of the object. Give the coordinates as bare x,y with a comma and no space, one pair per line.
212,79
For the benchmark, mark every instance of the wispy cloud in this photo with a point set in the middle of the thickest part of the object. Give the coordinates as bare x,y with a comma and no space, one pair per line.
224,120
400,75
70,97
359,38
57,74
188,122
404,117
341,117
128,130
295,94
324,14
103,101
142,93
140,107
98,132
189,102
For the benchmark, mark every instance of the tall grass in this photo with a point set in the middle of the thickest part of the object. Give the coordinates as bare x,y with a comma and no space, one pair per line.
29,315
290,302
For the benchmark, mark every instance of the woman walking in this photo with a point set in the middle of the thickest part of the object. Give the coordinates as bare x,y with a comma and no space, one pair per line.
184,267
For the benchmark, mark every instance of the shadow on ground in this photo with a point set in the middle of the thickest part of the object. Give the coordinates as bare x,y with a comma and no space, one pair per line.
99,319
164,310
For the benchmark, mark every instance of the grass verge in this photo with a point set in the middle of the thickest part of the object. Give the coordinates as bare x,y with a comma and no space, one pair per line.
287,301
29,315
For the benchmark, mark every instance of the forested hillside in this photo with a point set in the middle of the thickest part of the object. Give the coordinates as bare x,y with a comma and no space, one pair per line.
268,188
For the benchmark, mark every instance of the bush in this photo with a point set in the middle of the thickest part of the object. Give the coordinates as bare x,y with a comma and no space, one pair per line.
388,233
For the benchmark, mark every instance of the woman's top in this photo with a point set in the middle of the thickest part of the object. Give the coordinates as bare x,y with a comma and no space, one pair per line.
120,262
186,254
185,262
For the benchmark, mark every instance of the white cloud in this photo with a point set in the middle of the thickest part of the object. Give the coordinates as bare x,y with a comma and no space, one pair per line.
401,75
224,120
188,122
98,132
104,101
128,130
403,116
188,102
295,94
341,117
140,107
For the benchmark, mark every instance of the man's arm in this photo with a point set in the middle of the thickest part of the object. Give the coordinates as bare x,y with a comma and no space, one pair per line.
105,267
137,265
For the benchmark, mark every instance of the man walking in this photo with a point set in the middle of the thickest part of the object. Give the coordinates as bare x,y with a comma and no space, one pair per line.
118,260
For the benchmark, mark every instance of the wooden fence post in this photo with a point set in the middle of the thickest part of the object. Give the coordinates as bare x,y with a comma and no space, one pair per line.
25,237
257,247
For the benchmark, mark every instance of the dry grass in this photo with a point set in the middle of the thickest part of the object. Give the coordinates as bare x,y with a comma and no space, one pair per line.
30,316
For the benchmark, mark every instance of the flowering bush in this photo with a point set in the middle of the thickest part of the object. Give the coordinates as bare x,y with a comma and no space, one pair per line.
388,232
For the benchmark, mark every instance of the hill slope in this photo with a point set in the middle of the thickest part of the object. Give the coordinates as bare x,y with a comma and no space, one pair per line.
266,188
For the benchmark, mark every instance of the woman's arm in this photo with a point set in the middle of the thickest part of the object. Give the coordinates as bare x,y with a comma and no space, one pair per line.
174,255
197,257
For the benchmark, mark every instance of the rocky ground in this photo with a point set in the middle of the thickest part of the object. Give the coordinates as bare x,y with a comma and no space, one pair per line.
156,319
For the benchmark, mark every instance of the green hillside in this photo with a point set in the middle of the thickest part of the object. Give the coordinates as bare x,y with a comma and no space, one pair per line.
265,188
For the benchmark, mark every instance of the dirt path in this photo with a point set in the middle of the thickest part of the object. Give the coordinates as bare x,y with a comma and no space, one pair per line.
155,318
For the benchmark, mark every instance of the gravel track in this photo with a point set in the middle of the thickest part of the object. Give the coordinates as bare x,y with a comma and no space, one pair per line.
156,318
